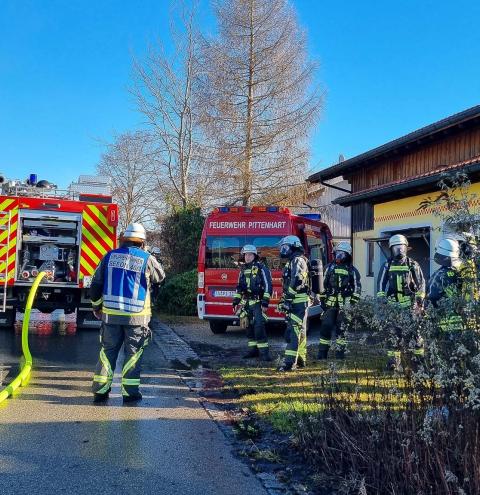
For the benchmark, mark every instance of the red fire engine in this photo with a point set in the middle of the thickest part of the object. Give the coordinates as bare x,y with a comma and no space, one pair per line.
226,231
64,233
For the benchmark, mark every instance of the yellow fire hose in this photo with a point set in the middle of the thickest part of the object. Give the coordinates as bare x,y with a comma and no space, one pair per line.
24,374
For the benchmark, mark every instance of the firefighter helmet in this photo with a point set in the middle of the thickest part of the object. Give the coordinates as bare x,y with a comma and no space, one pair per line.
135,232
397,240
448,247
343,246
249,248
290,240
447,252
288,244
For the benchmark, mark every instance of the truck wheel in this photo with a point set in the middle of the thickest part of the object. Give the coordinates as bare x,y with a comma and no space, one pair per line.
218,327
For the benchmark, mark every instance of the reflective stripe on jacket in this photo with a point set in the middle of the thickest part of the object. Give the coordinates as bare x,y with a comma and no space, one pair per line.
341,282
254,282
401,281
121,285
125,288
446,282
296,280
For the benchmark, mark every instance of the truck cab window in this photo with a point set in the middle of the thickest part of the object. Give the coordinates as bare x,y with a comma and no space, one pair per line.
317,248
223,252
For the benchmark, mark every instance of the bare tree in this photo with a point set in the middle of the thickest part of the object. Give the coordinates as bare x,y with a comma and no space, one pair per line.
128,163
258,95
163,86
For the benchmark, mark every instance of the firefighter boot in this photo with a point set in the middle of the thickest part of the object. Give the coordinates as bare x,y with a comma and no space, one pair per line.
286,367
322,353
301,363
265,354
252,352
97,398
132,398
340,354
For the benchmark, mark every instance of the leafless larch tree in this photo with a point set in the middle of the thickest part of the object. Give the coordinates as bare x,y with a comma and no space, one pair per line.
259,100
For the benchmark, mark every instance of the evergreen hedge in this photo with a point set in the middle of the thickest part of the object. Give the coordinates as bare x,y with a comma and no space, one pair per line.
178,296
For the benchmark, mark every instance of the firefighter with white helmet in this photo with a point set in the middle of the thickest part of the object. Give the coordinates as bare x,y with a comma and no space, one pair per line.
451,280
469,268
251,301
342,286
120,294
401,281
446,280
294,302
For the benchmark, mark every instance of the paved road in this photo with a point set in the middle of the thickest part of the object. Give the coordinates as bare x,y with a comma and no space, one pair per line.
232,345
54,440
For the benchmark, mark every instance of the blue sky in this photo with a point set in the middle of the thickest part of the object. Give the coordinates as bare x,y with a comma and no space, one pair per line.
387,68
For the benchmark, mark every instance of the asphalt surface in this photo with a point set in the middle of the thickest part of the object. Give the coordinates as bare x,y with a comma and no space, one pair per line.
232,345
53,439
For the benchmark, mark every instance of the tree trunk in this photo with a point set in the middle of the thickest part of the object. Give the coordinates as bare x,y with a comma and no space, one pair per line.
247,172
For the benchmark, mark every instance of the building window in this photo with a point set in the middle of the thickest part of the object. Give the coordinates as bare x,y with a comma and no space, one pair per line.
370,258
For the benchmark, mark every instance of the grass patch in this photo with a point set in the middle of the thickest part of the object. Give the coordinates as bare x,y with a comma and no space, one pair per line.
281,399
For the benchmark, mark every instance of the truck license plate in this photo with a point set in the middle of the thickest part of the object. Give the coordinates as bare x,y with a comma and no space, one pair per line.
223,293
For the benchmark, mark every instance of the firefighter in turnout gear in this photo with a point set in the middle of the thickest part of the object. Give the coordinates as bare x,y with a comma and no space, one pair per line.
447,281
468,269
120,294
294,302
402,282
251,301
341,286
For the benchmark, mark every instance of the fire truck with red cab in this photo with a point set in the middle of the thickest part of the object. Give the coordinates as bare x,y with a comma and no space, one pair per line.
63,233
227,230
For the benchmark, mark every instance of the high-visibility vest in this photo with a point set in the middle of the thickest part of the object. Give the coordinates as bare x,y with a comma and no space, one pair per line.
125,288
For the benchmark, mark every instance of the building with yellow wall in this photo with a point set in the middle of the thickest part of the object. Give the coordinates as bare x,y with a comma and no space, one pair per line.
388,184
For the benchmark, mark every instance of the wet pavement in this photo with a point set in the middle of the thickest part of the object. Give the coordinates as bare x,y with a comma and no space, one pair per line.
229,347
53,439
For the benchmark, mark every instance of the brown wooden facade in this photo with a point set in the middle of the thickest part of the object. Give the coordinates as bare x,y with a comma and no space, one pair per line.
423,153
416,159
389,183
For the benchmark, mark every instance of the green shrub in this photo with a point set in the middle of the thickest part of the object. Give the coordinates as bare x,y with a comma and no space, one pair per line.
181,233
178,295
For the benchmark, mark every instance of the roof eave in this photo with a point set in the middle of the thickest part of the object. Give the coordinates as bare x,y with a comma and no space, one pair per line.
376,195
471,114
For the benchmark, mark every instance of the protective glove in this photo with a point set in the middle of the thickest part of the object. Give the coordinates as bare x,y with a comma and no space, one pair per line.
354,298
235,303
284,307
